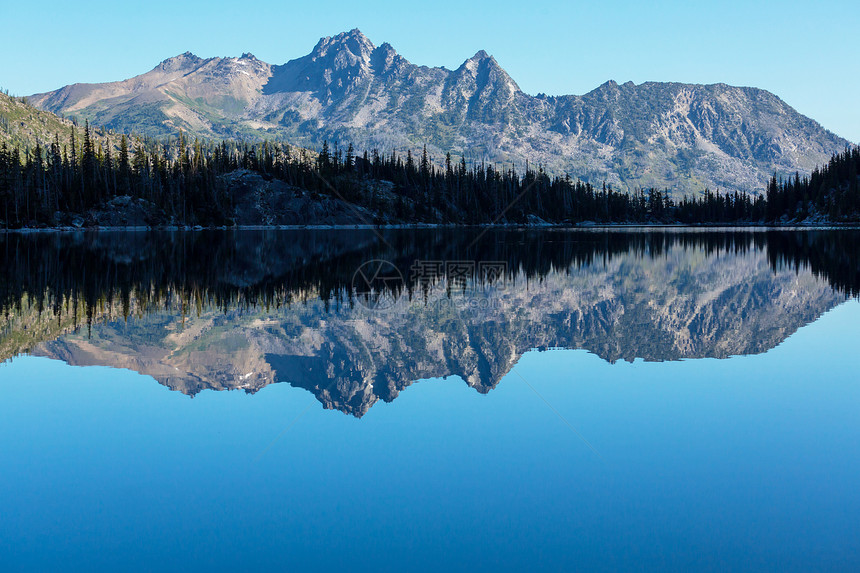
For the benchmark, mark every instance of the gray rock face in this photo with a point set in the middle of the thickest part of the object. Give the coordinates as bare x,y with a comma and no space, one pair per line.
257,201
254,201
679,136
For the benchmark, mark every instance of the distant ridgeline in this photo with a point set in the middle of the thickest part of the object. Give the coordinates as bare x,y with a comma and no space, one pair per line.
82,183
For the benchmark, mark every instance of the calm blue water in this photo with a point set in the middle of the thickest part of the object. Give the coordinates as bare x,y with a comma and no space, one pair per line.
570,462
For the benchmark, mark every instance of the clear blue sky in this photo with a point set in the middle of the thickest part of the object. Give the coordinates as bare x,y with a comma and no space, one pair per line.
804,52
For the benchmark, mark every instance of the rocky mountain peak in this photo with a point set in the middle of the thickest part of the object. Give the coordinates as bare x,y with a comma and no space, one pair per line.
385,59
485,59
334,67
480,59
182,61
346,46
387,52
486,70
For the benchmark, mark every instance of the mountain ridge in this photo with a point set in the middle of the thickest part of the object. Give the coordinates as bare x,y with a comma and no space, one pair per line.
684,137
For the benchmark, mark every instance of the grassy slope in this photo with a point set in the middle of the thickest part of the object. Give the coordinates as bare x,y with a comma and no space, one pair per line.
23,125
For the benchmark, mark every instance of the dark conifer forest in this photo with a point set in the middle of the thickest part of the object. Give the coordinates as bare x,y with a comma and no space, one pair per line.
186,183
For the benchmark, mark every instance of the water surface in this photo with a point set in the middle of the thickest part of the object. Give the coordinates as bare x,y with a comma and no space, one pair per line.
555,400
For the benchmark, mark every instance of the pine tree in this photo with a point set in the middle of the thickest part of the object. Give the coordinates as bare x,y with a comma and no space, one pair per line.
350,158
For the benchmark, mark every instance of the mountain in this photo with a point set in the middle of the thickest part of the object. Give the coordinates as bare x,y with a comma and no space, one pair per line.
684,137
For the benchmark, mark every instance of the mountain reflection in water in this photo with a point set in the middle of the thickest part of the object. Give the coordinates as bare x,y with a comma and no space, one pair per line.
244,309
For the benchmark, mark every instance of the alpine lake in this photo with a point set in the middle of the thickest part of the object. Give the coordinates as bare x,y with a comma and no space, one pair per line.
430,400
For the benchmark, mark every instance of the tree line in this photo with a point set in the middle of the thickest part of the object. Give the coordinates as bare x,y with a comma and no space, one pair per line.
183,181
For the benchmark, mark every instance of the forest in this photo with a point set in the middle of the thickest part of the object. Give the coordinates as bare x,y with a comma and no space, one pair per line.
183,183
